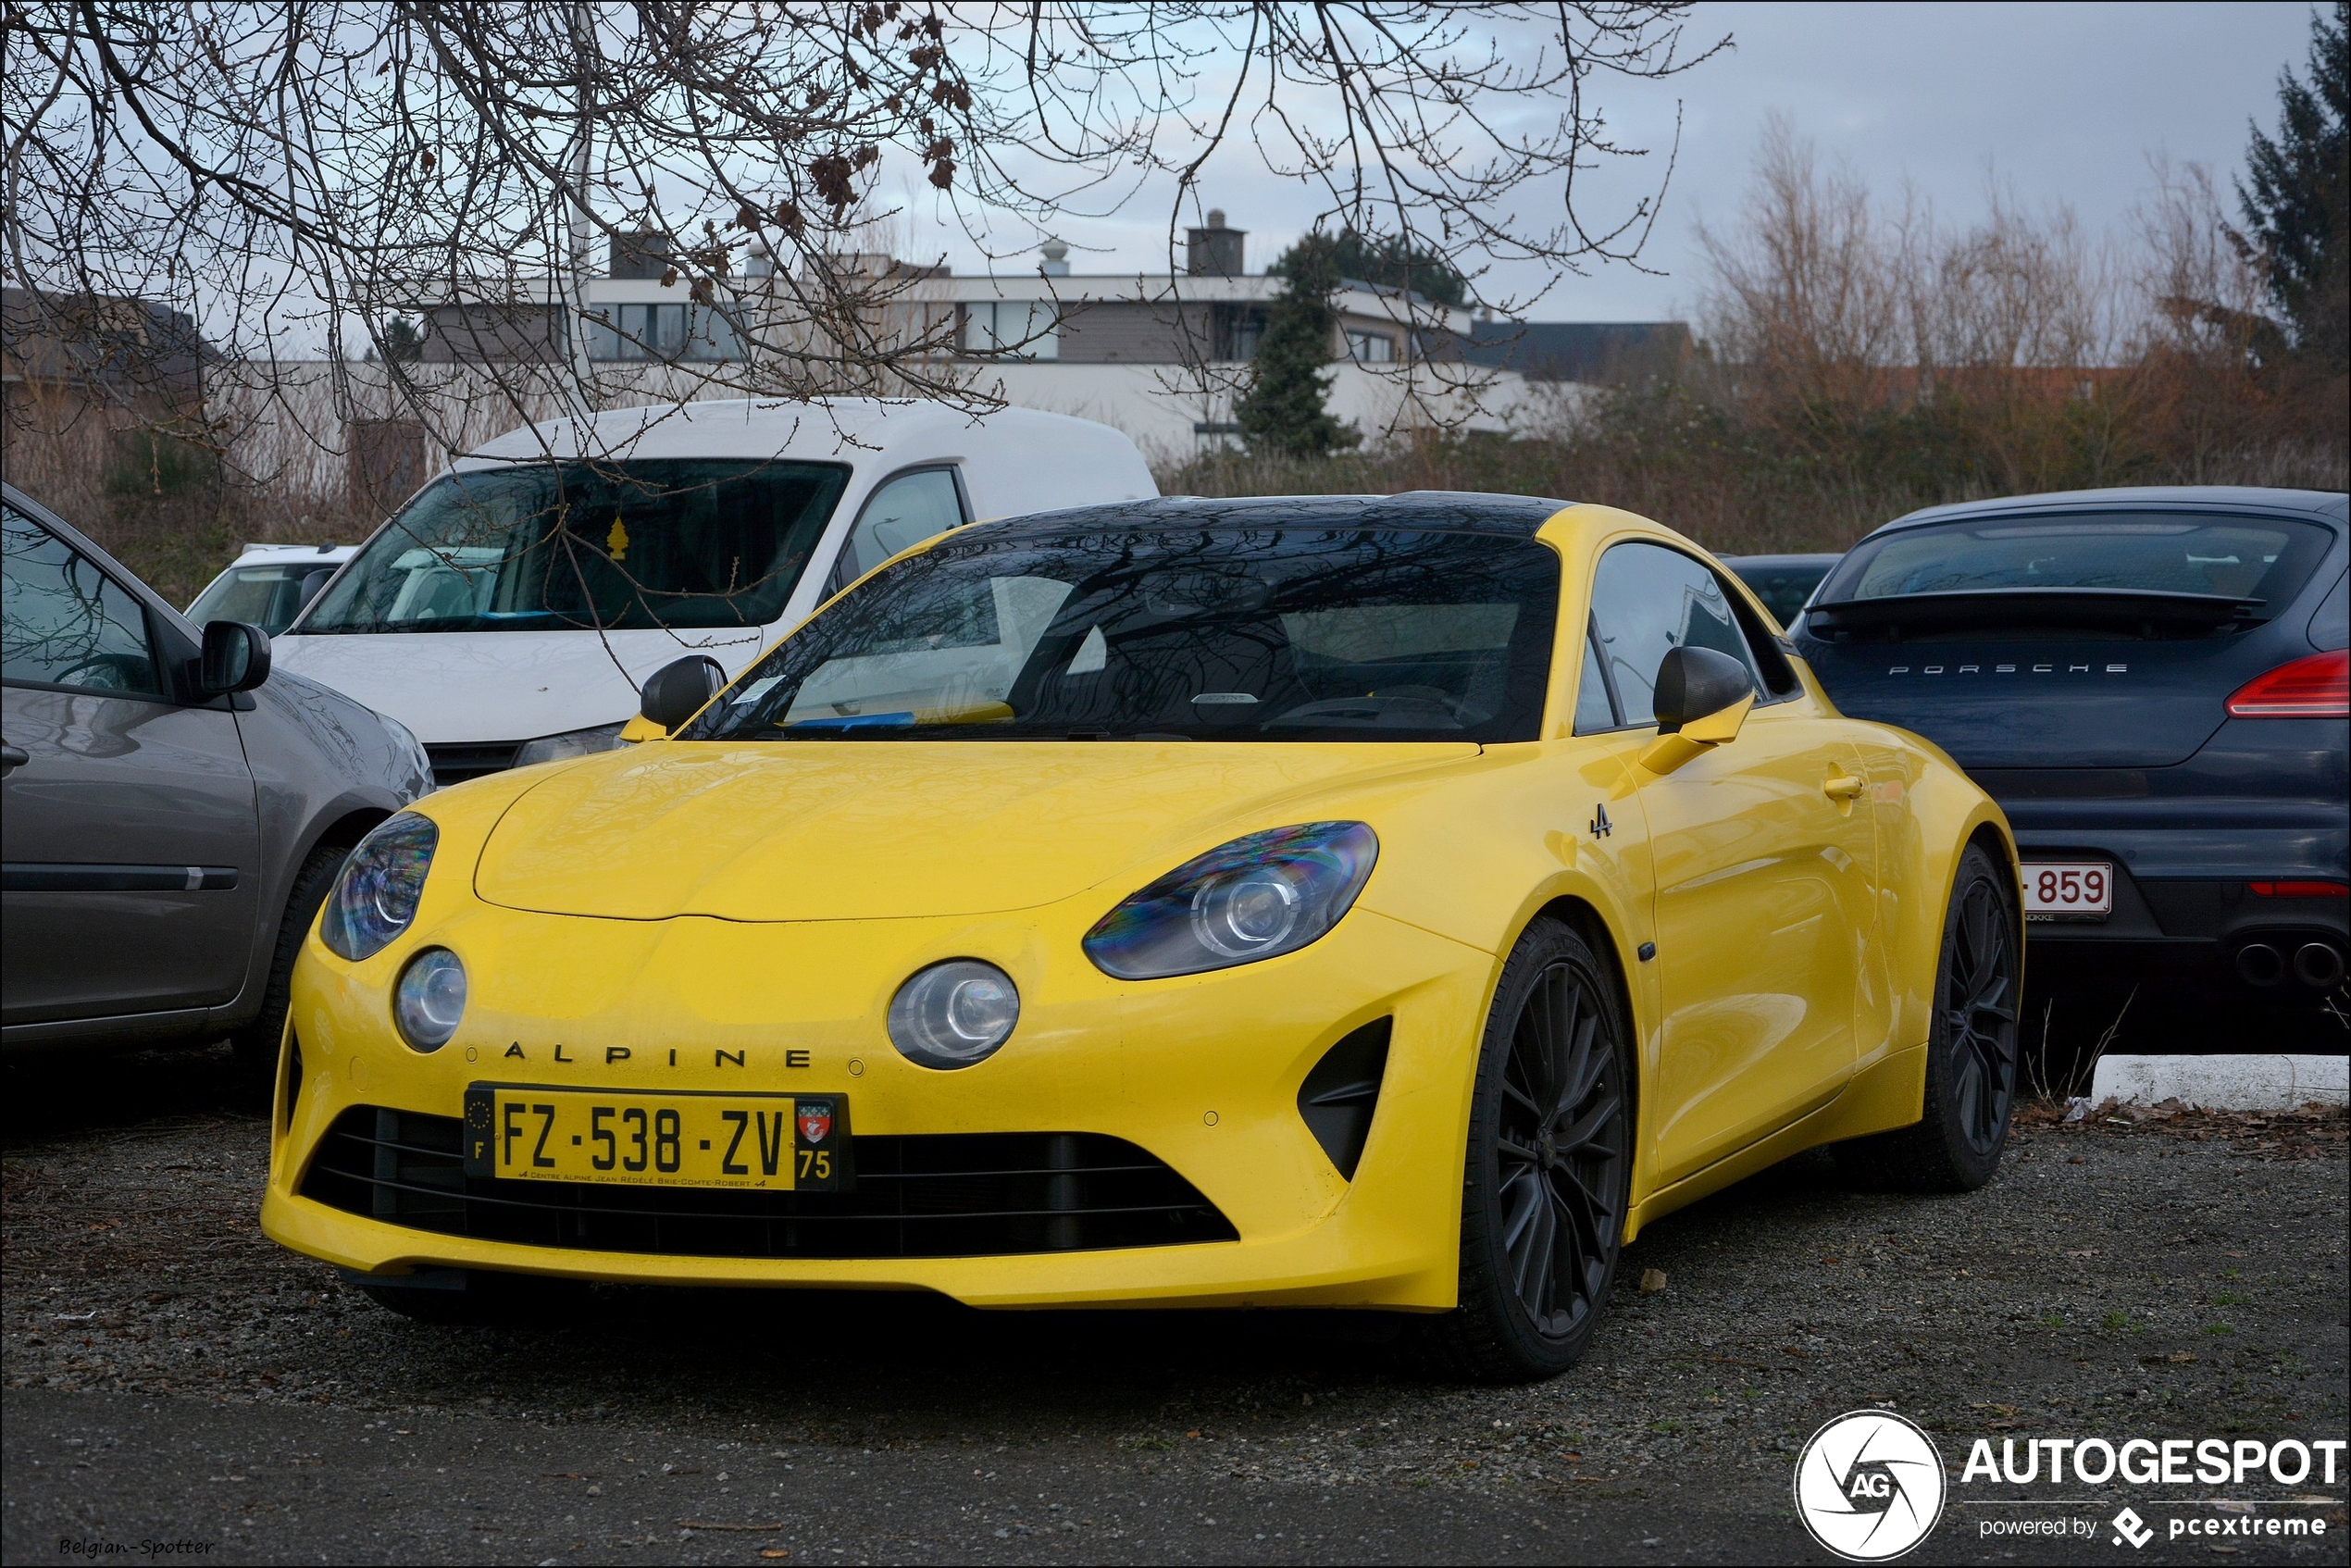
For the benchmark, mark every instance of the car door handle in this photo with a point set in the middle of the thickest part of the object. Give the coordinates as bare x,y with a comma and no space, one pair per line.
1844,786
12,758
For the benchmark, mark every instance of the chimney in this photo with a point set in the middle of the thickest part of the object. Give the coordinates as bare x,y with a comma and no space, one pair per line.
1215,251
1056,262
639,255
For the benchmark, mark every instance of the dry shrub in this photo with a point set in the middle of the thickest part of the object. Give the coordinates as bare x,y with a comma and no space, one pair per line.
157,483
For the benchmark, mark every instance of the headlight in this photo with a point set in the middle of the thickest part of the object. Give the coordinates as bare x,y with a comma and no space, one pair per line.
572,743
954,1013
1259,896
430,999
375,896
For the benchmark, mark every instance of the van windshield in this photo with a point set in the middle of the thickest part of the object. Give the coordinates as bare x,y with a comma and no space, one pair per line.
603,546
1303,634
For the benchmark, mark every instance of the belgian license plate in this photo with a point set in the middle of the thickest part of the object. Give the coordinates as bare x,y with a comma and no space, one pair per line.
778,1142
2068,889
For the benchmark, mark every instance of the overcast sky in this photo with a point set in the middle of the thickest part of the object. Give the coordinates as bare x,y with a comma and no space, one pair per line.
2062,102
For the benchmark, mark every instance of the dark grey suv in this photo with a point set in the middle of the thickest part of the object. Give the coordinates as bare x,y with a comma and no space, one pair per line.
173,813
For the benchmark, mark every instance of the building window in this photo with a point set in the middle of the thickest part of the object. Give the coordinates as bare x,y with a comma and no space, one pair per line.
1370,348
1022,328
662,332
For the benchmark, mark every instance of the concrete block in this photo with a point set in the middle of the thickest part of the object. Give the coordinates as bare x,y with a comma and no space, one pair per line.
2225,1082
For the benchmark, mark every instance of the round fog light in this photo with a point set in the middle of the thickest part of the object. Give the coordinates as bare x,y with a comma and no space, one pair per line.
954,1013
430,999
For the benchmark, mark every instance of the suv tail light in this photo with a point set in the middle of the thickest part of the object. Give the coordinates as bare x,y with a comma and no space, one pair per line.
2318,687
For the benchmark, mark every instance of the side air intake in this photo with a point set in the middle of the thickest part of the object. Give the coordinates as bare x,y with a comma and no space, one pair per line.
1339,1095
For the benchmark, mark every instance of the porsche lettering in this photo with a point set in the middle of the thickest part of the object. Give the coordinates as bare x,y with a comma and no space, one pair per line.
2006,669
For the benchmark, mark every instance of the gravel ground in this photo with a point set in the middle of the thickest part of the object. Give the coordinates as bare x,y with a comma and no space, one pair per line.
169,1373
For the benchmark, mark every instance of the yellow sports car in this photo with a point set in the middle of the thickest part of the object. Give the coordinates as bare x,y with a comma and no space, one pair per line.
1361,901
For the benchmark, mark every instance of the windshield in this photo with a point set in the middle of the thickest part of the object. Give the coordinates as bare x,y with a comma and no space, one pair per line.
268,597
1268,635
614,546
2236,557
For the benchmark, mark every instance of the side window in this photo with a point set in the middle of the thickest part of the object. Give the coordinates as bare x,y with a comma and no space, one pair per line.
63,622
905,512
1647,599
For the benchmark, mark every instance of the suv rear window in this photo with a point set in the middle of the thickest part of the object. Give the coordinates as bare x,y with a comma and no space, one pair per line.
2231,556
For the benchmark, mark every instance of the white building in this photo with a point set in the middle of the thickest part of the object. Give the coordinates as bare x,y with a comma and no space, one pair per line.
1161,356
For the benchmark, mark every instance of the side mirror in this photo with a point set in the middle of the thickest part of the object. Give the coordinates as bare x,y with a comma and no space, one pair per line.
1702,699
678,691
235,658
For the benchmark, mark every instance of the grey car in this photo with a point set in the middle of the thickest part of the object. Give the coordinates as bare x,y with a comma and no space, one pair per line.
174,811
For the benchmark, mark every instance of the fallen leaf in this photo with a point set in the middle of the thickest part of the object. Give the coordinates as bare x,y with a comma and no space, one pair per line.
1652,1280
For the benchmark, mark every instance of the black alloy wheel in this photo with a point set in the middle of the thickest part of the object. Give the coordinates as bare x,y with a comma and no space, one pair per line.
1550,1163
1971,1055
1978,1004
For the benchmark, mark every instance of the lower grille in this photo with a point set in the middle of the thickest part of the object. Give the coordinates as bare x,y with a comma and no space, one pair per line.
962,1195
453,764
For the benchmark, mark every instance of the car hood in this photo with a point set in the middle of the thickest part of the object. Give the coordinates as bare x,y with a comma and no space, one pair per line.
458,686
854,830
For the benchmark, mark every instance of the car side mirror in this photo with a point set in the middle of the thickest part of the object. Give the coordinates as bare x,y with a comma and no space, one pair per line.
1702,699
235,658
678,691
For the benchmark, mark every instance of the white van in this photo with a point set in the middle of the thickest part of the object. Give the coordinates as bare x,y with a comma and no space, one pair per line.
510,612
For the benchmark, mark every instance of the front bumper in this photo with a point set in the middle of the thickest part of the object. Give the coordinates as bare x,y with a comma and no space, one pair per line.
1203,1072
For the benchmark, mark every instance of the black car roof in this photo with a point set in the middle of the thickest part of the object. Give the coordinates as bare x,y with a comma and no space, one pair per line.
2322,506
1430,510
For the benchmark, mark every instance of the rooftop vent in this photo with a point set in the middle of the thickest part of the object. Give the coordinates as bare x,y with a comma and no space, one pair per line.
1056,262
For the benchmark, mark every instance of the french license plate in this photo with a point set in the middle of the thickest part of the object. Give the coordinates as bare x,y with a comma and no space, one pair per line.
778,1142
2068,889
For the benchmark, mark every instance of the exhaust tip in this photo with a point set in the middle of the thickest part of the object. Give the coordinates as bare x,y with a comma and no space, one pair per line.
2258,963
2318,964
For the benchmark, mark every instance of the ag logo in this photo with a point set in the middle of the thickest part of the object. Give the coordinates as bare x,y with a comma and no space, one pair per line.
815,1119
1869,1486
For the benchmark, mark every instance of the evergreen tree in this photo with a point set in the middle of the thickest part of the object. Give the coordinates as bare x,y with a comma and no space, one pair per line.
2295,205
1282,412
1391,261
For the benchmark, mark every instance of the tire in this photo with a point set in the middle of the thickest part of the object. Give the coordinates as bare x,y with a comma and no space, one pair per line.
1548,1169
1971,1057
256,1044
